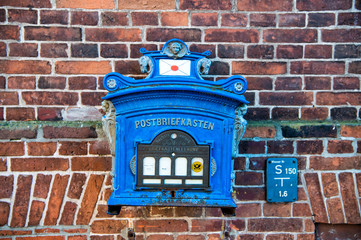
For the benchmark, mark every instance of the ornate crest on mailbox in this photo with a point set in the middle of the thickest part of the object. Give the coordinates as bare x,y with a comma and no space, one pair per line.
173,133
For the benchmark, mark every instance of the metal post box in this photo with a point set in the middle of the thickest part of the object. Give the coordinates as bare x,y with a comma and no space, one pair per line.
173,133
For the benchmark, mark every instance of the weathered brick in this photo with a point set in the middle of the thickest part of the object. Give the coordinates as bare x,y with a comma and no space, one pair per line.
219,68
248,210
309,131
73,148
317,67
76,185
259,68
47,230
257,114
273,5
317,83
275,224
334,98
348,51
68,214
259,83
301,210
52,33
288,83
251,147
349,197
206,225
335,212
250,193
335,163
53,17
84,50
285,98
174,19
186,237
84,18
309,147
351,131
321,19
69,132
284,114
260,51
21,82
341,35
355,67
290,35
323,5
205,5
21,203
280,147
50,98
3,50
39,164
41,148
231,35
27,3
202,48
204,19
2,15
52,82
95,4
164,34
54,50
144,18
318,51
114,51
277,210
92,98
239,163
24,67
22,16
42,238
36,212
91,163
3,164
351,19
56,199
344,113
234,20
330,185
14,232
90,199
279,237
4,211
18,133
230,51
42,186
80,83
289,51
114,19
82,67
110,226
187,211
260,131
23,50
99,148
9,32
7,183
127,67
113,35
135,49
49,114
249,178
263,20
11,149
292,20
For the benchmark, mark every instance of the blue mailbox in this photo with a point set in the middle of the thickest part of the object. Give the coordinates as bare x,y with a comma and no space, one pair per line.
173,133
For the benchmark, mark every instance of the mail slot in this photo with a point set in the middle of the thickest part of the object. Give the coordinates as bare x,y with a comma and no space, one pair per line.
173,135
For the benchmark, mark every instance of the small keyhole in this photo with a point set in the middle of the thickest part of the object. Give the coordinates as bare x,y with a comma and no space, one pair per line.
172,194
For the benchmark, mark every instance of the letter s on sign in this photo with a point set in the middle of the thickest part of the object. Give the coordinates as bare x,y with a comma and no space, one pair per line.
278,169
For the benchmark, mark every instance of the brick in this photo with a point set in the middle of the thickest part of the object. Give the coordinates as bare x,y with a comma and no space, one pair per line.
285,98
53,17
234,20
358,146
76,185
42,238
349,197
4,211
318,51
335,212
309,147
39,164
250,237
257,114
275,224
164,34
24,67
96,4
317,83
135,49
3,50
314,113
52,33
355,67
174,19
11,148
358,180
346,83
330,185
230,51
14,232
249,178
260,51
3,164
341,35
82,67
68,214
206,225
21,203
84,50
280,147
239,163
73,148
21,82
23,50
202,48
323,5
27,3
144,18
52,82
69,132
99,148
127,67
358,5
292,20
109,226
91,163
20,114
22,16
348,51
92,98
219,68
84,18
248,210
49,114
277,210
285,114
9,32
187,212
47,230
102,237
36,212
18,133
114,51
288,83
90,199
334,98
56,199
273,5
250,193
350,19
114,19
335,163
344,113
309,131
187,237
321,19
41,148
251,147
6,189
301,210
279,237
204,19
263,20
80,83
259,83
260,131
231,35
113,35
50,98
259,68
289,51
317,67
54,50
161,236
290,35
42,186
205,5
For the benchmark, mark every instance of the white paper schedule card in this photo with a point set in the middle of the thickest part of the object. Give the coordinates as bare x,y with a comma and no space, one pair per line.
165,166
149,166
181,166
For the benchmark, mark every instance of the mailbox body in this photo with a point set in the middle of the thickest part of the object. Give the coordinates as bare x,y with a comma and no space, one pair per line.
174,136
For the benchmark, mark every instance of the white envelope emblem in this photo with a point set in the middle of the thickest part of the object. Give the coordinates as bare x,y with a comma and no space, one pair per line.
175,67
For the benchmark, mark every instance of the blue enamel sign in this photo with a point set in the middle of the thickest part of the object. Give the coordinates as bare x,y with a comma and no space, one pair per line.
172,134
282,179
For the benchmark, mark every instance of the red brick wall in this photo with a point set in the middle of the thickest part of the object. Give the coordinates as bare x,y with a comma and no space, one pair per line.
302,62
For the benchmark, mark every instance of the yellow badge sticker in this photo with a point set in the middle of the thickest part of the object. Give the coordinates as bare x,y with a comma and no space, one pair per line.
197,166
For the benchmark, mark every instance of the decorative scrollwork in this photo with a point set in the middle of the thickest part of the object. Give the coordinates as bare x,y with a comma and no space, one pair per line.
132,165
213,167
240,125
108,122
203,66
146,65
